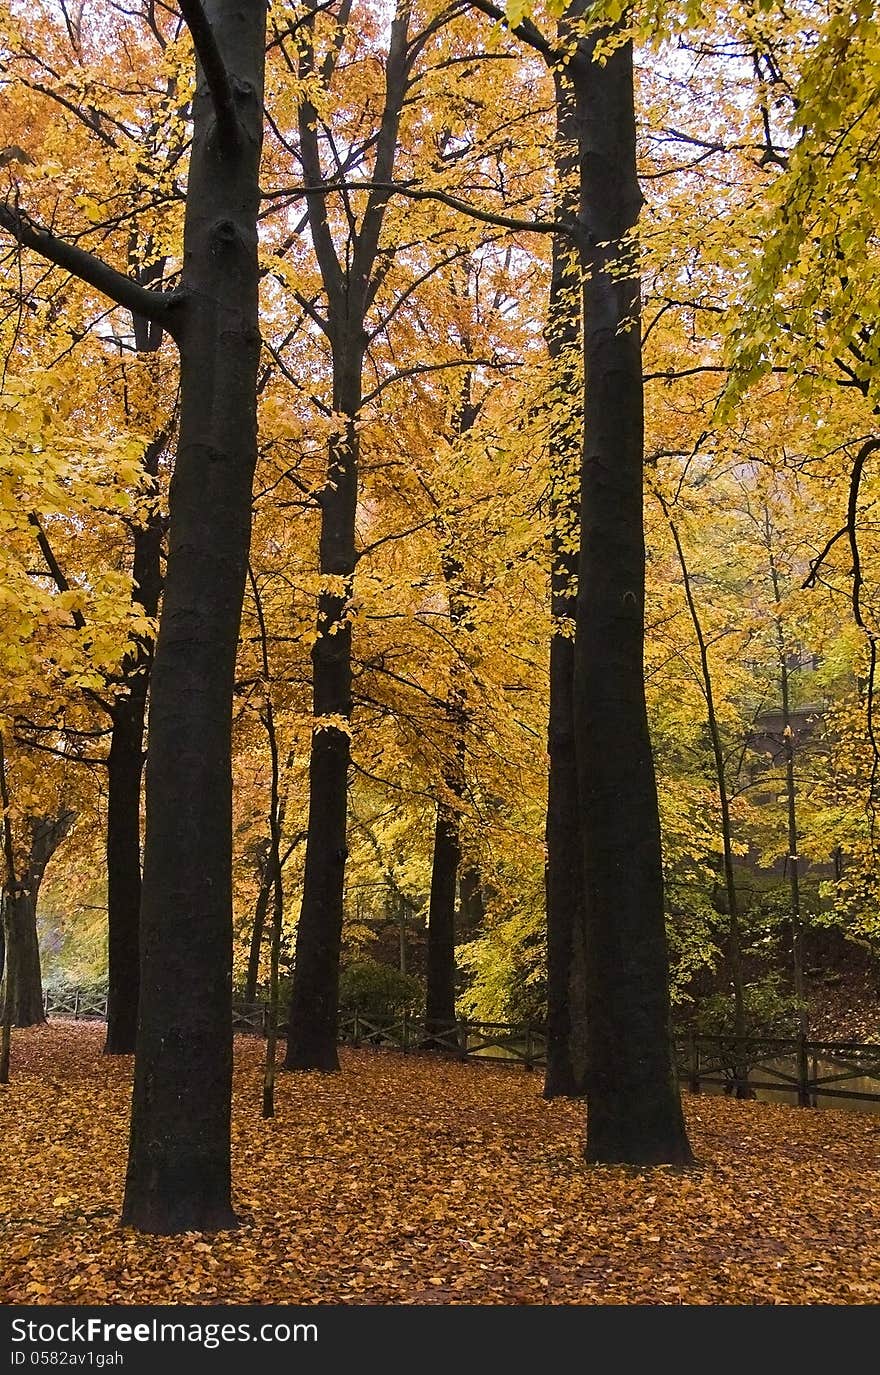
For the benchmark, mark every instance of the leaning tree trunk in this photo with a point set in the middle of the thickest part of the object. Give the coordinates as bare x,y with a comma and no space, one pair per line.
742,1087
634,1109
565,1074
125,766
179,1157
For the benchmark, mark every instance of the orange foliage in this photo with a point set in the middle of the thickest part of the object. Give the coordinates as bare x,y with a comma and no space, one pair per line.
413,1181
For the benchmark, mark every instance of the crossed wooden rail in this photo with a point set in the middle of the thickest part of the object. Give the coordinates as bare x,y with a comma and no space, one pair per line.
807,1069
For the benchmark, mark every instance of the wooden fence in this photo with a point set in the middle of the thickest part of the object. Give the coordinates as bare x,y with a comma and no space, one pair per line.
809,1071
80,1004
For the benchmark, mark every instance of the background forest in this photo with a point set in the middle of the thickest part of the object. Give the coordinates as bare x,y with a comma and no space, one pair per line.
412,498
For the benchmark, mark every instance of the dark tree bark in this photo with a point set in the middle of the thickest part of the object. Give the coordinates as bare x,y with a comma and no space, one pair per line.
440,992
125,764
446,858
566,1070
45,835
261,908
24,953
179,1157
565,1074
274,859
313,1015
634,1109
472,904
311,1039
440,971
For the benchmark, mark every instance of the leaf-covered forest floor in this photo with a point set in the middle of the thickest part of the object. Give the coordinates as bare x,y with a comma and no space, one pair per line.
412,1180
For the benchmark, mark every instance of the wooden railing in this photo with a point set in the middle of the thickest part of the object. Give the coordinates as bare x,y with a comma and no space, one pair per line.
524,1044
846,1071
81,1004
808,1069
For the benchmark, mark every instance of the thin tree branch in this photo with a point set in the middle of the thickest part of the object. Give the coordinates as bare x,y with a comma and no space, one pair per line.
54,567
420,193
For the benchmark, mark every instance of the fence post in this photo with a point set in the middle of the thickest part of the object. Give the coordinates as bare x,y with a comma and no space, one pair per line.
405,1032
46,1003
693,1063
462,1040
76,1006
356,1030
803,1072
529,1060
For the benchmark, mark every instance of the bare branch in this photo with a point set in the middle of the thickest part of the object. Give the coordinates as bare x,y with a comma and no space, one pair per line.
420,193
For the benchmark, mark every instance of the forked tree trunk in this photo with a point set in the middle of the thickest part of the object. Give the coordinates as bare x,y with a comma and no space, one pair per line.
179,1157
634,1109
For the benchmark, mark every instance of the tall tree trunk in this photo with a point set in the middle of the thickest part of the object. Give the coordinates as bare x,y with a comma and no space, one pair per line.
566,1070
440,993
441,974
314,1003
634,1109
125,765
179,1156
567,1041
124,770
440,999
312,1021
